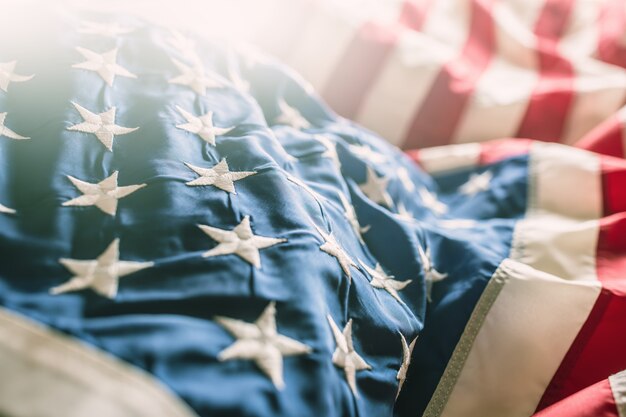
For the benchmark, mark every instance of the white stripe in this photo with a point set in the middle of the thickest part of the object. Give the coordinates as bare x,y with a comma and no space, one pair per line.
449,158
501,96
47,374
599,88
521,343
412,67
322,45
560,230
330,30
507,356
618,387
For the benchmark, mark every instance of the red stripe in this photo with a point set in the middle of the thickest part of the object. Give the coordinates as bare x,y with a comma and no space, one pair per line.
594,401
598,350
553,95
414,12
611,26
359,67
498,150
606,138
439,114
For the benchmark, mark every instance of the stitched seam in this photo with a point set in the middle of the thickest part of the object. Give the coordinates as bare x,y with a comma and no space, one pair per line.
462,350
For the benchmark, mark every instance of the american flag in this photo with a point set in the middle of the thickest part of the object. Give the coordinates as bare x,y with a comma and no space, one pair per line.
188,229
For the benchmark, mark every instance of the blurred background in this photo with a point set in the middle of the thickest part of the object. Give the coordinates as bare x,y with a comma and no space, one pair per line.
434,72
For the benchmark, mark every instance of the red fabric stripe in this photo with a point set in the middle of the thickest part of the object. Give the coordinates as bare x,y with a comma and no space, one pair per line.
363,61
553,95
594,401
613,180
413,14
498,150
440,112
612,22
606,138
598,350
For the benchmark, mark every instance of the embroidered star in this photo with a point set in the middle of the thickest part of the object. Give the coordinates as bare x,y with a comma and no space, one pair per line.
5,131
403,213
375,188
366,153
193,77
240,241
407,351
110,30
331,150
185,46
101,274
431,275
202,126
291,116
405,179
345,356
103,195
386,282
316,196
102,125
350,215
6,210
260,342
431,202
7,75
105,64
238,82
331,247
457,223
219,176
476,183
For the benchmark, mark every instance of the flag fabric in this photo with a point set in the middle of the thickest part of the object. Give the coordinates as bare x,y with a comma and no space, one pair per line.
187,229
435,72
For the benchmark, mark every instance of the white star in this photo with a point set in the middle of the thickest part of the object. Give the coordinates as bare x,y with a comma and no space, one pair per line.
291,116
331,247
457,223
431,275
405,179
316,196
219,176
101,274
331,150
375,188
476,183
366,153
238,82
345,356
260,342
185,46
110,30
386,282
403,213
350,215
407,351
5,131
202,126
6,210
193,77
103,195
431,202
105,64
102,125
7,75
240,241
